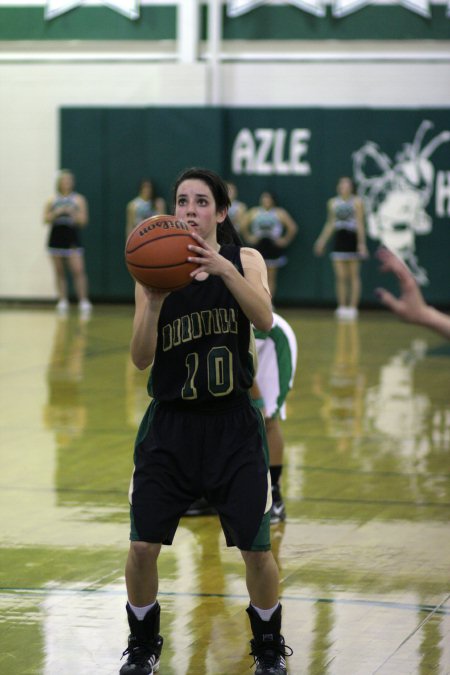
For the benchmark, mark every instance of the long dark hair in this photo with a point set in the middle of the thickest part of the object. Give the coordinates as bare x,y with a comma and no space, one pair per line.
226,232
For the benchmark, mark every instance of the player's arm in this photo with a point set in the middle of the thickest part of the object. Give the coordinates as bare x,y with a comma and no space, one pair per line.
327,231
251,290
148,305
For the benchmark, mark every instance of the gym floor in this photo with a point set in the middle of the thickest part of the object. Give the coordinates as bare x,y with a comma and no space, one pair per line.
364,554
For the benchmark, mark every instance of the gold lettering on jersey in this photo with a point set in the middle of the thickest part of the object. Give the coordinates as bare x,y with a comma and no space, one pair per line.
191,327
216,322
176,335
186,329
196,325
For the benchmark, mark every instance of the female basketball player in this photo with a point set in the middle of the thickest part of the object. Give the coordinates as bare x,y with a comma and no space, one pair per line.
270,229
67,213
346,222
277,362
201,436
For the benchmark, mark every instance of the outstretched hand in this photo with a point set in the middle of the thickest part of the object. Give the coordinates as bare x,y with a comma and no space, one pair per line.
410,305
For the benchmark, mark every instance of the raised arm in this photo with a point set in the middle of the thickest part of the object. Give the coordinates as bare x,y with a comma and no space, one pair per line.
148,305
410,305
251,290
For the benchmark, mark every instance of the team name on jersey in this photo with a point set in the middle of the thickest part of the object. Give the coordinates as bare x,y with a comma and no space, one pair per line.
193,326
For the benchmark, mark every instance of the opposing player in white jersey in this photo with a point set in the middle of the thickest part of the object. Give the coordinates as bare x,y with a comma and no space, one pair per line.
277,362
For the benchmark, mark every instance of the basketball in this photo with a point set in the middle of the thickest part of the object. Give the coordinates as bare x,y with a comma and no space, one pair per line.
156,253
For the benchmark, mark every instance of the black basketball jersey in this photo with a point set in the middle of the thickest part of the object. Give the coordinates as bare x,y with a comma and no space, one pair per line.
203,354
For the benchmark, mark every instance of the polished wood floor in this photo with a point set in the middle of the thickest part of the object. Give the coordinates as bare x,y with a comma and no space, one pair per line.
364,555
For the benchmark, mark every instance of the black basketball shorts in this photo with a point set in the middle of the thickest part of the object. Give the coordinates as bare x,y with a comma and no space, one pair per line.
183,455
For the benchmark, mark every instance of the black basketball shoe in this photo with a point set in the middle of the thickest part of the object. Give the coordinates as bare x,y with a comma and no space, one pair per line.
278,509
268,648
144,644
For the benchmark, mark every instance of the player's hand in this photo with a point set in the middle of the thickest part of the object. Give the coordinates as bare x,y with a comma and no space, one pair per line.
209,260
154,294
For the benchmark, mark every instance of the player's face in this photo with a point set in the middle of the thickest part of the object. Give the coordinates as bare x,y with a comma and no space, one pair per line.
195,204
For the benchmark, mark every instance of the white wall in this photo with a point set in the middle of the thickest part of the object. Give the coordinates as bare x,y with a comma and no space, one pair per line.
30,97
32,93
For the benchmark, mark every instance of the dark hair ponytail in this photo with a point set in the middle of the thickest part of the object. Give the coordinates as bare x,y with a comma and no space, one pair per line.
227,233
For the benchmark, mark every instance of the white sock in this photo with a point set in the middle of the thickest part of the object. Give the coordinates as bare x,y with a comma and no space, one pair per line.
265,614
140,612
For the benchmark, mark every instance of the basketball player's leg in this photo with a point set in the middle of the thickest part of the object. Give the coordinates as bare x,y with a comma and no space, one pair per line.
143,611
141,573
264,611
275,441
262,578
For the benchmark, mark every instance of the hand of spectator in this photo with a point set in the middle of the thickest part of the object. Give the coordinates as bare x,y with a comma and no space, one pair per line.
410,305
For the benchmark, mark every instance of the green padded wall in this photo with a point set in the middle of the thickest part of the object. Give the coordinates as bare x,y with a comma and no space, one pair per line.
111,149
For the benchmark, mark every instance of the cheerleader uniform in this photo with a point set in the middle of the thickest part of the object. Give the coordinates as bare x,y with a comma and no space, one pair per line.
143,209
345,246
268,228
64,238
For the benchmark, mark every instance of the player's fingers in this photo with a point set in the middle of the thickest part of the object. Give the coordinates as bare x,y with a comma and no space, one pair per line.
196,249
199,239
387,299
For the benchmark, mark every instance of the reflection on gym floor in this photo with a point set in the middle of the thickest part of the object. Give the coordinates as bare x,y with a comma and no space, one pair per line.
364,555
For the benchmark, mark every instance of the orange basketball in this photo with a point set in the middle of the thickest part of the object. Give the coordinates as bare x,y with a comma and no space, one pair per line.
156,253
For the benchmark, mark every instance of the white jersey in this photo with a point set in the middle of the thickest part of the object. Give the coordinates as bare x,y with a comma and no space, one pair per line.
277,362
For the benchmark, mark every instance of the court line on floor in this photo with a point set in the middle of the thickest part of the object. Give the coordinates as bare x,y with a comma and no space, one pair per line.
359,472
385,604
435,611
